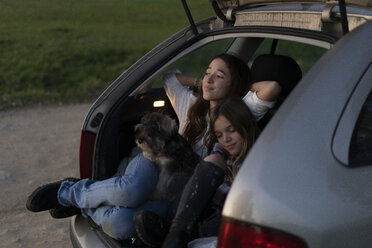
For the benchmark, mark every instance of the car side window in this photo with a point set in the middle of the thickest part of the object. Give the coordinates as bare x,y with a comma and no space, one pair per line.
360,152
304,54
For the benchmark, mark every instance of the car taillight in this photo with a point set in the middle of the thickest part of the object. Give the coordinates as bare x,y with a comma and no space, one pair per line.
87,142
242,235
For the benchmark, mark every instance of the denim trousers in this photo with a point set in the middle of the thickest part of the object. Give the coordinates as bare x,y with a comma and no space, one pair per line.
111,203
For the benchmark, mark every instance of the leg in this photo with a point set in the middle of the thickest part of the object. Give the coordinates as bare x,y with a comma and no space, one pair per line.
117,222
130,190
196,196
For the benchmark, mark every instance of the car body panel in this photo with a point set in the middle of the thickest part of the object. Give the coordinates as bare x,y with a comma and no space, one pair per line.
291,180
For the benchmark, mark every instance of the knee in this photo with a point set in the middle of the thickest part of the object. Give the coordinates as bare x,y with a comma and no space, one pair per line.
216,160
209,172
211,167
130,192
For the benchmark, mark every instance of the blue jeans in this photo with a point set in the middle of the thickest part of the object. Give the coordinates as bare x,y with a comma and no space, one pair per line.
111,203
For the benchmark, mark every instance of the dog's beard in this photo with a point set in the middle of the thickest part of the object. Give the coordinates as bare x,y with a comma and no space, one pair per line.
145,150
155,153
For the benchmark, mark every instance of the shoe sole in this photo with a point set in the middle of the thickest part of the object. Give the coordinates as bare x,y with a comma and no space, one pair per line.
64,212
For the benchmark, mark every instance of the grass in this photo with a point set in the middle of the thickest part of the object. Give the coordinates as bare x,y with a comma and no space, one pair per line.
69,51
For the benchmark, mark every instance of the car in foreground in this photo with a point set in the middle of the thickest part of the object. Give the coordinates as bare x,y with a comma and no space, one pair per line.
307,180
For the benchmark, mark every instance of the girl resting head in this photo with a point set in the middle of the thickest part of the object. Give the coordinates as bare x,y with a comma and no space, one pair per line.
234,128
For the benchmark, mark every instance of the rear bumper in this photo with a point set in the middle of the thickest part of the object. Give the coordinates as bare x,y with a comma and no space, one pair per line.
83,235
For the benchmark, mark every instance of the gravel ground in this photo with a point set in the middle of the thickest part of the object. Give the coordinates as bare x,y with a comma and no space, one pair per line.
37,145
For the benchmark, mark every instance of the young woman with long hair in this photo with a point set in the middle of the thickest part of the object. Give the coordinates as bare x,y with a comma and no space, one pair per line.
235,130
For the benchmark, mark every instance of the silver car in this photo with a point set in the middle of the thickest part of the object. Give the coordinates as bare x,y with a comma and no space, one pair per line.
307,180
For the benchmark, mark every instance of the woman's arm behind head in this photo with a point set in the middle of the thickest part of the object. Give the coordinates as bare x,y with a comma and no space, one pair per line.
266,90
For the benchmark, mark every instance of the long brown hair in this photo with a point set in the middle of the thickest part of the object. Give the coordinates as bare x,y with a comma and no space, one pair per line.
240,83
241,118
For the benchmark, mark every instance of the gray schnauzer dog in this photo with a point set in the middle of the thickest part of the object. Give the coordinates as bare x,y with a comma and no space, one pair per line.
157,136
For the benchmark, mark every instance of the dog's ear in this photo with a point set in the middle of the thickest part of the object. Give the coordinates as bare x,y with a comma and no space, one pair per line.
174,126
170,124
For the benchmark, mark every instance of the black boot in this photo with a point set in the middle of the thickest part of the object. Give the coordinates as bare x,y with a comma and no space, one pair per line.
151,229
64,212
45,197
195,198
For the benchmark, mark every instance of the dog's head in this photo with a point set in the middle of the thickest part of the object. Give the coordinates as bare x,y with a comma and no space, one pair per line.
153,133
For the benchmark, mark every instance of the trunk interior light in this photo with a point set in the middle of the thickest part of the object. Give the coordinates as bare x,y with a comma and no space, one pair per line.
158,104
242,235
87,142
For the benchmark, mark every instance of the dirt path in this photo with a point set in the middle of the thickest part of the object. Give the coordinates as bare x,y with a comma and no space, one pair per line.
37,145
